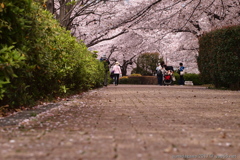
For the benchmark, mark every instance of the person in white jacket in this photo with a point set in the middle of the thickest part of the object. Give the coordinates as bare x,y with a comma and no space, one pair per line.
159,71
117,71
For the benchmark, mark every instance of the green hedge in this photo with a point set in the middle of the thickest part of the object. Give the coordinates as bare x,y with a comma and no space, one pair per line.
39,59
195,78
138,80
219,57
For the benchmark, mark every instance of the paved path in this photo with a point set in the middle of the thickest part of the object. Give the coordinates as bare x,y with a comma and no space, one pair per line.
130,122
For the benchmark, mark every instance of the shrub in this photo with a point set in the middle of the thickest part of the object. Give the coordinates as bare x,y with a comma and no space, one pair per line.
39,59
195,78
139,80
219,57
124,80
13,23
124,77
135,74
10,59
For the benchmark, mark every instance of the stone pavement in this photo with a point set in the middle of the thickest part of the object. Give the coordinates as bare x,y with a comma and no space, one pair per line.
130,122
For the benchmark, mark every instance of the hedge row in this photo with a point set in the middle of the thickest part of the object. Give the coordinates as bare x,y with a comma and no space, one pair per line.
38,58
219,57
138,80
195,78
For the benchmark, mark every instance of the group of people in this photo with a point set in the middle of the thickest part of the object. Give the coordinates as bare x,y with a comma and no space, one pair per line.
162,70
115,72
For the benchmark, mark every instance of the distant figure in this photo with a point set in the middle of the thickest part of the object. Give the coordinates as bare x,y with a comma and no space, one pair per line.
106,67
117,71
159,74
181,73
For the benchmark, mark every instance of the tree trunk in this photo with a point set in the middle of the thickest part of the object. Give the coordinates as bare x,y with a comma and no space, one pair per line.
125,65
65,14
124,68
50,6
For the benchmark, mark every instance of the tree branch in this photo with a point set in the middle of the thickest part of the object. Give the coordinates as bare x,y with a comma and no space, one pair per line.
98,39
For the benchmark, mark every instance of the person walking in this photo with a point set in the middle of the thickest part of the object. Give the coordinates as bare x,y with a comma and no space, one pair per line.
159,74
181,73
117,71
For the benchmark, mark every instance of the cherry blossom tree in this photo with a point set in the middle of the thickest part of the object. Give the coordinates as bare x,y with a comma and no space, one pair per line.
185,21
170,27
173,27
66,11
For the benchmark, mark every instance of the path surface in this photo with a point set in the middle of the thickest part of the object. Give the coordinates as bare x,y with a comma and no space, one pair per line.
130,122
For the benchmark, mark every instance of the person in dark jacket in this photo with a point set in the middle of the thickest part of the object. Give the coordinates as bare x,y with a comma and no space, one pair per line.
181,73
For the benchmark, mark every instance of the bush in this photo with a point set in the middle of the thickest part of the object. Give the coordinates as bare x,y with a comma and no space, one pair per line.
135,74
138,80
10,58
219,57
195,78
13,23
124,80
39,59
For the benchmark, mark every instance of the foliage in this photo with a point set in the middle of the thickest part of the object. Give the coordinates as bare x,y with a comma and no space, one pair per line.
219,57
195,78
12,24
139,80
147,63
124,77
39,59
135,74
10,58
124,80
136,79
